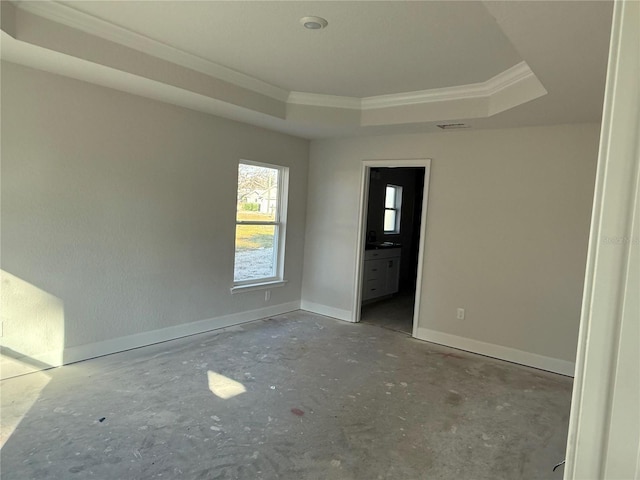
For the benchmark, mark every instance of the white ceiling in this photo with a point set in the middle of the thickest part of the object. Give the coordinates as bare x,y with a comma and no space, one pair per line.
378,67
368,48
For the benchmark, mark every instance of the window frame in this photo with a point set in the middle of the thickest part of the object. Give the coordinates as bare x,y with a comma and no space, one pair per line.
397,208
280,229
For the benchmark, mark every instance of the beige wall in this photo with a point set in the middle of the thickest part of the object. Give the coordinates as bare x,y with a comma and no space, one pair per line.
507,228
122,208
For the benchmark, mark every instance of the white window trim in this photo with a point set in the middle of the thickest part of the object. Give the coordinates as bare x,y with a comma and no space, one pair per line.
397,208
258,286
280,224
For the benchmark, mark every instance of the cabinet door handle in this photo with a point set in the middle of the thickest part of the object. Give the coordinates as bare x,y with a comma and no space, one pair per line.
374,269
390,263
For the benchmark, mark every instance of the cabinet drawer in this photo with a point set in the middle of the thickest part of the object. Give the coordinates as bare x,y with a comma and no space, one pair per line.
374,269
373,288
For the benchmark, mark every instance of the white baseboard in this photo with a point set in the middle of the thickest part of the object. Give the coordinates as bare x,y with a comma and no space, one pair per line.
52,358
521,357
16,366
106,347
326,310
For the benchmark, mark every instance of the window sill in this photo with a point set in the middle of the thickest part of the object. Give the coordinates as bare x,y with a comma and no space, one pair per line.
257,286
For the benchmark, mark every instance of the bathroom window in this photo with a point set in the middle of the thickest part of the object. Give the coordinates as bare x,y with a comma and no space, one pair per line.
392,209
260,224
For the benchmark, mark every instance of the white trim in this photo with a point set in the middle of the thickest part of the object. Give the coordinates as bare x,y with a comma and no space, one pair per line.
320,100
31,363
52,358
521,357
250,287
514,75
397,208
367,165
71,17
326,310
421,249
360,242
517,74
280,224
607,368
420,97
120,344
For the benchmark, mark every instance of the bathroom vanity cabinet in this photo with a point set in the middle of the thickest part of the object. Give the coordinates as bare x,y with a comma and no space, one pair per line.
381,275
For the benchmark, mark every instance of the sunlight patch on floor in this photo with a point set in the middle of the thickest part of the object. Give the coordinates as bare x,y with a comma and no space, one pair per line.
224,387
14,407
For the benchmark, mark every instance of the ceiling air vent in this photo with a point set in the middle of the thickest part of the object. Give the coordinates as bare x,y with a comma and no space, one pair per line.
451,126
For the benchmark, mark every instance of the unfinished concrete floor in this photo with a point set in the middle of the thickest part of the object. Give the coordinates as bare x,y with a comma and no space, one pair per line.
324,399
395,313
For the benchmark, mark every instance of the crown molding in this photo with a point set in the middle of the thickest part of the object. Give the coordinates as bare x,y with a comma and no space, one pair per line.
494,85
73,18
512,76
327,101
516,74
421,97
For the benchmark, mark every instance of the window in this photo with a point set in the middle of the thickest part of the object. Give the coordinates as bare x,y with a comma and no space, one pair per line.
260,224
392,204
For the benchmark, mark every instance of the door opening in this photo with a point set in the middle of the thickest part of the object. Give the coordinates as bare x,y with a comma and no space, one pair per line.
391,240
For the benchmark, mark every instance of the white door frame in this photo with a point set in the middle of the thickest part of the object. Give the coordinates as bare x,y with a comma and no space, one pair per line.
604,428
367,165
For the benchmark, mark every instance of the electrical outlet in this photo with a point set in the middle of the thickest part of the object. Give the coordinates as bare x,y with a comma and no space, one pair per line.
267,295
460,314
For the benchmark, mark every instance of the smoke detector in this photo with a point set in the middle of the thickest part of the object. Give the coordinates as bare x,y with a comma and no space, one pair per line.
314,23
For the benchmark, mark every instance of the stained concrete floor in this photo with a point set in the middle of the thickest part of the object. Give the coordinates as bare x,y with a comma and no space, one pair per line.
323,399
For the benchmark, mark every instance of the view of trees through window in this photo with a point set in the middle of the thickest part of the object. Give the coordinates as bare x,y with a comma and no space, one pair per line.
257,223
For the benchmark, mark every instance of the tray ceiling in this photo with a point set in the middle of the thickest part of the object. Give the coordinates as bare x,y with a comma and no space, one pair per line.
377,66
368,49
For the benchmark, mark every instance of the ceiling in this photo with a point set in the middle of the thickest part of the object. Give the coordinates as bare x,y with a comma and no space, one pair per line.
378,67
380,48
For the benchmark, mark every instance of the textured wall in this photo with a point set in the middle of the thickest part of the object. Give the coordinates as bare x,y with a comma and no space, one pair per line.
507,226
123,208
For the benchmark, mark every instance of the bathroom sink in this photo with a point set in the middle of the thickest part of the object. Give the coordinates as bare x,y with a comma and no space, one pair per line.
381,245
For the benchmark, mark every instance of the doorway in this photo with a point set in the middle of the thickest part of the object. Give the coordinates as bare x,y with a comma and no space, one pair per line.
390,243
